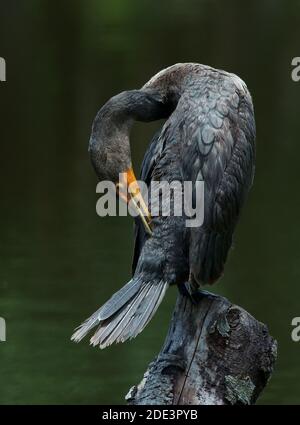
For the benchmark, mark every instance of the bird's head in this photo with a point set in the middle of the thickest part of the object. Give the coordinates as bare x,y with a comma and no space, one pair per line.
109,145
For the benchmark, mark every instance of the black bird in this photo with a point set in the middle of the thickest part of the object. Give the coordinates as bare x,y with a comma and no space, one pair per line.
208,135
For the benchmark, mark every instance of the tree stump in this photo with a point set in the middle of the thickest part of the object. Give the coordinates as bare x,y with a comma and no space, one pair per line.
214,353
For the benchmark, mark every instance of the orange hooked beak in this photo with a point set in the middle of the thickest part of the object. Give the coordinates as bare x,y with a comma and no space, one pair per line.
129,190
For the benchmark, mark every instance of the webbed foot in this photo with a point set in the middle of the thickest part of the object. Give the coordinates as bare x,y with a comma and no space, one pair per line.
195,294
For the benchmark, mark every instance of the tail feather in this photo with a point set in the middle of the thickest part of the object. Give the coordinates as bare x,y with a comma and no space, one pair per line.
144,312
148,311
110,330
125,315
119,299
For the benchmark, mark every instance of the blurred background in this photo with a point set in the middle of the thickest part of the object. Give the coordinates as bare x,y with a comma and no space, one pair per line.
59,261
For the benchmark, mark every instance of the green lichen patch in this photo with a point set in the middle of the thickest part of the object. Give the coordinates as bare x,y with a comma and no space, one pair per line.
223,326
238,389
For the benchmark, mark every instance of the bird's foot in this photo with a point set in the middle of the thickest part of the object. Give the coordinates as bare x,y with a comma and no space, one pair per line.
195,294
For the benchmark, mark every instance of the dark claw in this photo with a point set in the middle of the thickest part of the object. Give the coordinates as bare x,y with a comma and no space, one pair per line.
195,295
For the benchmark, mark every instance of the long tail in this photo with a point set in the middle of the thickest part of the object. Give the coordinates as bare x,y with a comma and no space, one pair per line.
125,314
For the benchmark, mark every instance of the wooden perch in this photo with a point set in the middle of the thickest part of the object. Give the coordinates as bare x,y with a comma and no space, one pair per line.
215,353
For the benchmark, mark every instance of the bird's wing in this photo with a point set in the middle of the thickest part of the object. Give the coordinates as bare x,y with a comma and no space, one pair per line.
148,164
218,136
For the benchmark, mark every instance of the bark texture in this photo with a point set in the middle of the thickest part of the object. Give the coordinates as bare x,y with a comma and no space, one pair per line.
214,353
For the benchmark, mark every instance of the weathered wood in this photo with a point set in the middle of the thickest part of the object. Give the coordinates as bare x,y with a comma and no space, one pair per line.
215,353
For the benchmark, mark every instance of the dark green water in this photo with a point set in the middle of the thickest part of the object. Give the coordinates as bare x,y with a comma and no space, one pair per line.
58,260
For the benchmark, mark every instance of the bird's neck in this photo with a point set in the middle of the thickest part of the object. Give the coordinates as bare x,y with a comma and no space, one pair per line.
109,142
